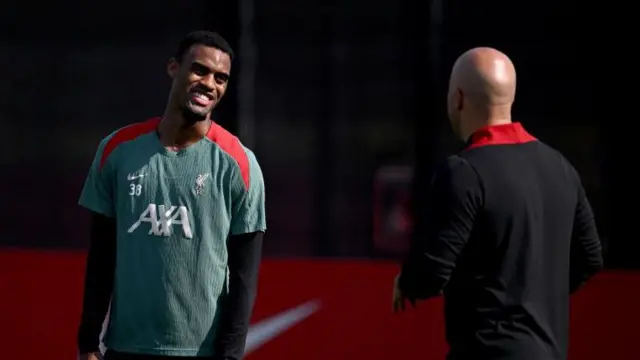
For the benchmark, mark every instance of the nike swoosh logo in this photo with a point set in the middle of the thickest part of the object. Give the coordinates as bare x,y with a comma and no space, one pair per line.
133,177
263,331
266,330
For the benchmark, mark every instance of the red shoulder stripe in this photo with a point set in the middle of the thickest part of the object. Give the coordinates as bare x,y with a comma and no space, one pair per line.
231,145
127,133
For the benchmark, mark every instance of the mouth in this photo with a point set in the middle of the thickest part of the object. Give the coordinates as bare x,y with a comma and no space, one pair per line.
201,99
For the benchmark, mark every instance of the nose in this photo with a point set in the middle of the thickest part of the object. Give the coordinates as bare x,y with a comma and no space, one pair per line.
208,81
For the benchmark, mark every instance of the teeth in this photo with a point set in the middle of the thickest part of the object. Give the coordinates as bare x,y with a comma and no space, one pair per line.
201,96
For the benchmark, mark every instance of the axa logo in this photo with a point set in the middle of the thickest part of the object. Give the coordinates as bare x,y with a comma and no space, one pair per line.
163,218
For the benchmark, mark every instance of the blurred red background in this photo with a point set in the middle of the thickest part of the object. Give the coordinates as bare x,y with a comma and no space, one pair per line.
41,296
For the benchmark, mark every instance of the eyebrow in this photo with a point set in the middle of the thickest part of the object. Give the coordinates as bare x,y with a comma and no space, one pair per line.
208,68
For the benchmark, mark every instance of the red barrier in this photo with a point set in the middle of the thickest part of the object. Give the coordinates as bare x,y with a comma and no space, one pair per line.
40,305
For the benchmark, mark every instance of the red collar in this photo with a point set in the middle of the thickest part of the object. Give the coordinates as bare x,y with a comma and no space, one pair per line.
504,134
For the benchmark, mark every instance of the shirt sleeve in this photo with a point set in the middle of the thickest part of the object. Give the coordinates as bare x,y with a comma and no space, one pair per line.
454,199
249,208
97,193
586,249
244,263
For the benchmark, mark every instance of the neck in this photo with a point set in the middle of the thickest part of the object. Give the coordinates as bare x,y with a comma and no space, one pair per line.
175,130
489,117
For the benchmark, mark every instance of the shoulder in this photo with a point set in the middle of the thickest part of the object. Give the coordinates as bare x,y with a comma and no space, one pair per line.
555,155
124,134
564,165
244,158
456,165
254,166
457,173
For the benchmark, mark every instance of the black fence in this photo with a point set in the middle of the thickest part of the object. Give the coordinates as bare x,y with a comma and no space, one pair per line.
329,94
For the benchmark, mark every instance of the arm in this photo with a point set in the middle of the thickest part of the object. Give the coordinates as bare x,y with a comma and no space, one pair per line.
98,283
244,261
586,250
100,268
455,197
244,247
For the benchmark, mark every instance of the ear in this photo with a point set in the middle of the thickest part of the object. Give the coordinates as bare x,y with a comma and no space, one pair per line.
172,68
459,100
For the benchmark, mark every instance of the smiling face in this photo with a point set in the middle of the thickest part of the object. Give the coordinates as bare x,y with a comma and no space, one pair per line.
200,79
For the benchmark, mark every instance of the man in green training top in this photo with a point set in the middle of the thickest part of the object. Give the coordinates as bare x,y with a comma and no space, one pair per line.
178,216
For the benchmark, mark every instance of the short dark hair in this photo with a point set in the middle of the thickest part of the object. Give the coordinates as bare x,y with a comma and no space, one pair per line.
206,38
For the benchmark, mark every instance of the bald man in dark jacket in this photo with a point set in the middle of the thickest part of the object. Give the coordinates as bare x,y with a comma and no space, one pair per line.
509,230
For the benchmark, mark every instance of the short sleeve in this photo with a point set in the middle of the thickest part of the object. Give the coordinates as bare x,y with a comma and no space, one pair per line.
97,193
249,208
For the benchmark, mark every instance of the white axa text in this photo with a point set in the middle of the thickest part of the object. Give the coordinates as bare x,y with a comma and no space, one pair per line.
162,218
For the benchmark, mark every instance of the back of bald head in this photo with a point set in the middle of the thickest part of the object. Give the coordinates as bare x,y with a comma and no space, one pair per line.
485,76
